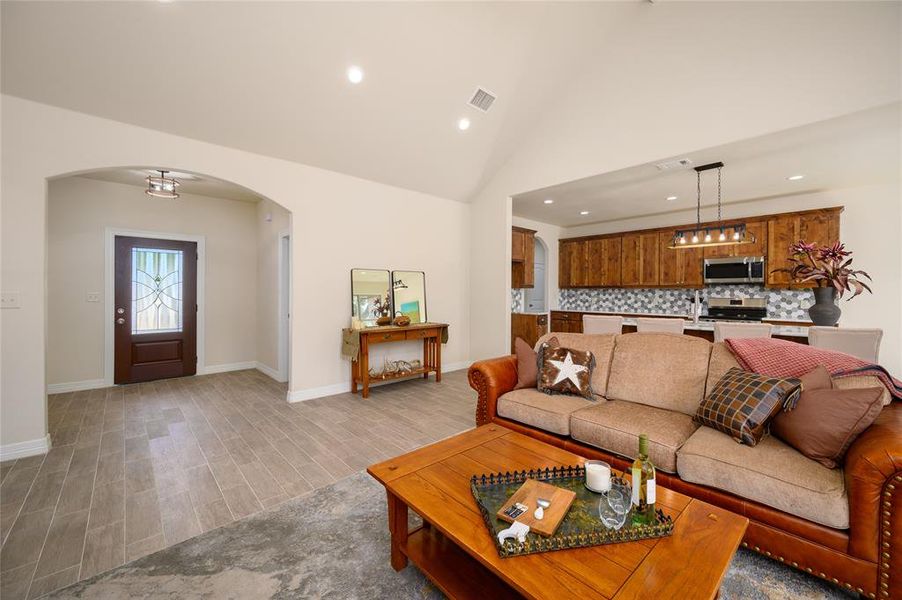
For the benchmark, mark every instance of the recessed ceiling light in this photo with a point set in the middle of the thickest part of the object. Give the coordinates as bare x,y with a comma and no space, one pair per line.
671,197
583,212
549,201
795,177
463,124
355,74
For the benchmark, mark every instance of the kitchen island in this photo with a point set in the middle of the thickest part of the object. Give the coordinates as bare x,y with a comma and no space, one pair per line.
572,322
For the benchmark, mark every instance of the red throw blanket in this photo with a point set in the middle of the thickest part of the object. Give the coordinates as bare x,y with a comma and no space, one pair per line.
782,358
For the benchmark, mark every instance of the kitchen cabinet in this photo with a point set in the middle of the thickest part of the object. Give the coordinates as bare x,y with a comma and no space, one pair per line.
572,263
566,322
603,262
523,252
649,259
629,260
678,267
815,227
529,327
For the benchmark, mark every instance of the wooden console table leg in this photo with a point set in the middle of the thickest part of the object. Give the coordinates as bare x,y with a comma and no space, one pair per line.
426,357
438,360
364,365
354,365
397,525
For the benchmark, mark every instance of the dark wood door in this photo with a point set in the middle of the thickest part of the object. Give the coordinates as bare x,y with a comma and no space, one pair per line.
155,314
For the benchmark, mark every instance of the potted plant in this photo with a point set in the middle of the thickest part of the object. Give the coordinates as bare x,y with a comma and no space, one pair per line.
829,267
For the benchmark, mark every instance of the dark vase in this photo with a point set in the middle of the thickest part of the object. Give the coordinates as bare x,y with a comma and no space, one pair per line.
824,311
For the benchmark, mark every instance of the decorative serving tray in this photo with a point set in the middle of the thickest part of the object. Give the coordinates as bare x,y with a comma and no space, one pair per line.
580,528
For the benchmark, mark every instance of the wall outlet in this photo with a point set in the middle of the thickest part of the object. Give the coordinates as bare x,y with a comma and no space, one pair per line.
9,300
93,297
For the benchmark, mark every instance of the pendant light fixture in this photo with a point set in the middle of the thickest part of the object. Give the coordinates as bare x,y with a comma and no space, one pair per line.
162,186
717,235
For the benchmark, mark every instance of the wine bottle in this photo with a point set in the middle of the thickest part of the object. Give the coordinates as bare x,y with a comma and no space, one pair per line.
643,473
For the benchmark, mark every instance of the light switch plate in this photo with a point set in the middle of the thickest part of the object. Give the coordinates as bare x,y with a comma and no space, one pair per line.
9,300
92,297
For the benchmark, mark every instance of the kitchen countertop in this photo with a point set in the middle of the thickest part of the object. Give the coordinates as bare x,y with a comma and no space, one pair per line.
800,330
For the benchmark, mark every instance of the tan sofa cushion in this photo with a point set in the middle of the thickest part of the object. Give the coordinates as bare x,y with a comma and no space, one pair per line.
615,426
863,381
771,473
550,412
665,370
722,360
601,345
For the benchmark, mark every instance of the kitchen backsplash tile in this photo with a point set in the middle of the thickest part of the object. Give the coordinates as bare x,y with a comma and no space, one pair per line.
781,303
518,300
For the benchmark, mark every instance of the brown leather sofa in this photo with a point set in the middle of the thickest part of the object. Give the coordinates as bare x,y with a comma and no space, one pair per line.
843,525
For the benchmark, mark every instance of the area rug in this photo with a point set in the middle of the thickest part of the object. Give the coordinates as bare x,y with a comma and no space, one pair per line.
333,544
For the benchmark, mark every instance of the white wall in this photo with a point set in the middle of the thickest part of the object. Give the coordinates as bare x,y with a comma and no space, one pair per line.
80,210
267,281
338,222
682,77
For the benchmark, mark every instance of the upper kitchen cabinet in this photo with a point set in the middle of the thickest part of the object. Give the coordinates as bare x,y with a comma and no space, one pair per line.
819,227
572,263
603,262
523,251
678,267
639,260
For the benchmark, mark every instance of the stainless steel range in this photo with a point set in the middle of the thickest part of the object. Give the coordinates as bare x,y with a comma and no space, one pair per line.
736,309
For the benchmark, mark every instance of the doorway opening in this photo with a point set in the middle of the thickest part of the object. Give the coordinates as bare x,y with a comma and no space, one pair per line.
284,306
537,296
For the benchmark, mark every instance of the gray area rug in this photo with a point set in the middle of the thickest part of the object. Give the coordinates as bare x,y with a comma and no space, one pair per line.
333,543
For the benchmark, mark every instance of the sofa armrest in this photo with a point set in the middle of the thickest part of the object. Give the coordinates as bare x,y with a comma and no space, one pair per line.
873,473
492,379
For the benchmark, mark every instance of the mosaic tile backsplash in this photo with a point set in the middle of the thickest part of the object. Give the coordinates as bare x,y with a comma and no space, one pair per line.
781,304
518,300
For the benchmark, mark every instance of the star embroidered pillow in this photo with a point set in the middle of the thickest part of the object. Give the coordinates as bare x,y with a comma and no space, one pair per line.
565,371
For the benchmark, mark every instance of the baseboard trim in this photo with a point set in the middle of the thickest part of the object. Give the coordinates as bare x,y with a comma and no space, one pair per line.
268,371
76,386
345,386
239,366
25,449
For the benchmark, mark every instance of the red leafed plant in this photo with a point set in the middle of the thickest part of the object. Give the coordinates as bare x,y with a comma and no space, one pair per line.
827,266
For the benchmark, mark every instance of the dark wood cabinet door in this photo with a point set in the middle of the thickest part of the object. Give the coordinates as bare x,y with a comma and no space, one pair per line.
782,231
578,265
529,260
648,258
155,312
669,262
629,260
611,269
517,246
563,269
758,229
690,267
595,263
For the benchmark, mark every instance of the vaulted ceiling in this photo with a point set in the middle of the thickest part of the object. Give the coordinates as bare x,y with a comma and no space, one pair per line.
270,77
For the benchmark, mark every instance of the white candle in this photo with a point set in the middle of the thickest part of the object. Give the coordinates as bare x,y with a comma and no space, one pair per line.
598,476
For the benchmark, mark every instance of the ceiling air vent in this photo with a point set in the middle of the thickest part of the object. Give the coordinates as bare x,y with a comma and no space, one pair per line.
482,100
674,164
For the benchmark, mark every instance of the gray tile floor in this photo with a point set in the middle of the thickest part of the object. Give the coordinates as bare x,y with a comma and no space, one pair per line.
135,469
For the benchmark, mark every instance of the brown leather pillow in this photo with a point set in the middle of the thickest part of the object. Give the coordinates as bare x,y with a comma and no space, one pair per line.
816,379
565,371
527,367
742,403
825,422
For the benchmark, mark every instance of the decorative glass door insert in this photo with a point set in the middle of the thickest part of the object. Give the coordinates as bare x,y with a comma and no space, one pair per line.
156,290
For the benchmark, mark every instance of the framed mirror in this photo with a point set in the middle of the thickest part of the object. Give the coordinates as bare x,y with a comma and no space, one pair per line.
409,294
370,295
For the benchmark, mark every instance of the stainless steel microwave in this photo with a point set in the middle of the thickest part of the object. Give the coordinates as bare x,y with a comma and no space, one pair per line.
739,269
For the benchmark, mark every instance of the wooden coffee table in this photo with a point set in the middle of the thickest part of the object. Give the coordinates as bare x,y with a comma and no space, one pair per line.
454,548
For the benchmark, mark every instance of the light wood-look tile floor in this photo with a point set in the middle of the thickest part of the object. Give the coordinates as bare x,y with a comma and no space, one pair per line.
134,469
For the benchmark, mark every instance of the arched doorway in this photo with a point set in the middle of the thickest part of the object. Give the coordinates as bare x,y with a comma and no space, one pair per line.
536,299
239,240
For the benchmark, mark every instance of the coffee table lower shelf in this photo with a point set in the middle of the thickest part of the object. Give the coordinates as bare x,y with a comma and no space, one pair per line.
458,575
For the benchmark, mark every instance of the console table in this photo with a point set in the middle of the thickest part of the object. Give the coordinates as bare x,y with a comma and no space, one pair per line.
432,335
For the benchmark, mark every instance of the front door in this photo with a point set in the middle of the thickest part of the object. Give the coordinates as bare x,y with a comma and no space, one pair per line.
155,310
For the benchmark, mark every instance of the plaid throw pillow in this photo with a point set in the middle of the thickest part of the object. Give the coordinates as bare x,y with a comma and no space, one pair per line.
742,403
565,371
